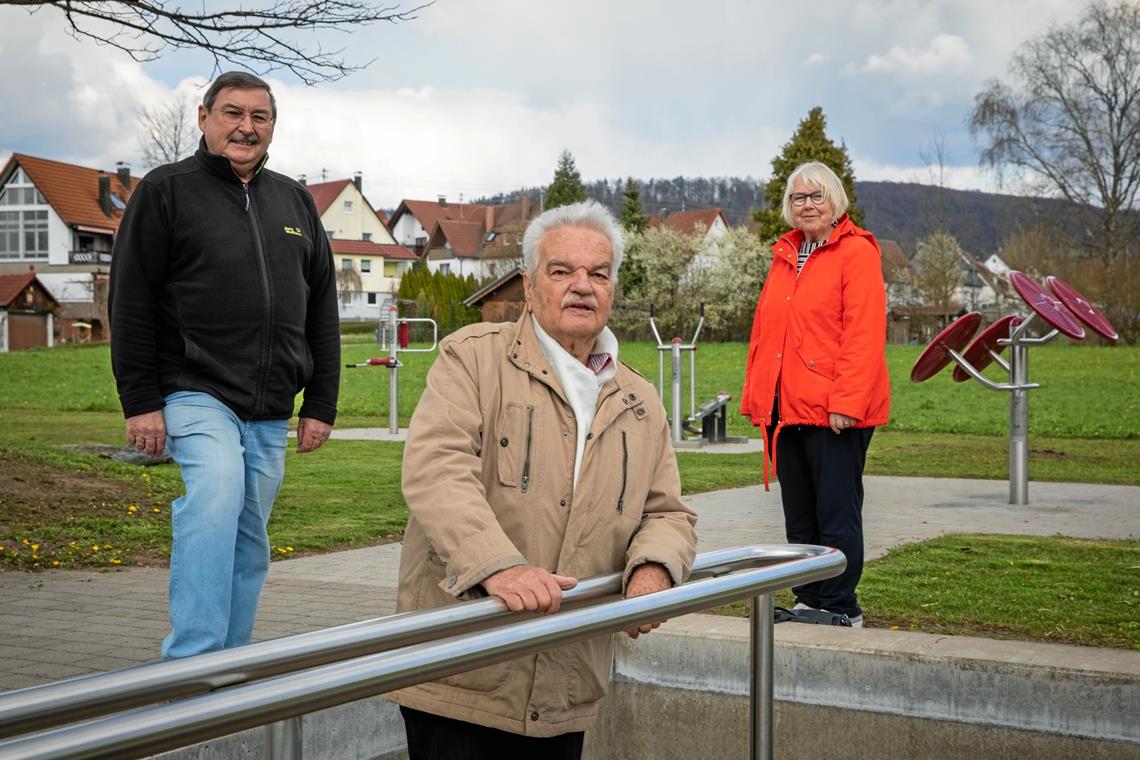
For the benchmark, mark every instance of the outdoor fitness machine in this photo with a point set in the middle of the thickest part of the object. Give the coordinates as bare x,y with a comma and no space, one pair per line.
398,332
713,415
1061,307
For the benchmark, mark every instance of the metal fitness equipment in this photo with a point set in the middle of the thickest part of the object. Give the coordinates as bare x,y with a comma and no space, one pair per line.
398,328
713,414
1061,307
675,347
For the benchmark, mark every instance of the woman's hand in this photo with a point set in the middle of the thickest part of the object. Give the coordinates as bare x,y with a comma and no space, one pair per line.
840,422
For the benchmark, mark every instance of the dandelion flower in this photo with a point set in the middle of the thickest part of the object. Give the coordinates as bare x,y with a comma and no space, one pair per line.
156,510
95,547
35,547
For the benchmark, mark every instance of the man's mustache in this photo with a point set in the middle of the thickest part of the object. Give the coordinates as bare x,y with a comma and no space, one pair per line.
570,300
245,139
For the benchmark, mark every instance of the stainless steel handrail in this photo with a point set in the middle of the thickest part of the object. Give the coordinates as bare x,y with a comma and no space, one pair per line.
74,699
198,718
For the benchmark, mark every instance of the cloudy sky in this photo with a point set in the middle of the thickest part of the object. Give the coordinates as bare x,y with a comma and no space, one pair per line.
479,96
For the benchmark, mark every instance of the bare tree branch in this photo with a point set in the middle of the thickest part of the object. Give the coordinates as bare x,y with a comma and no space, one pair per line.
256,38
1070,121
168,132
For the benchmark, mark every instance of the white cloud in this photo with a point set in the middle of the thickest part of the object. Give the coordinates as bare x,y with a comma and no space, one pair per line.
481,97
946,52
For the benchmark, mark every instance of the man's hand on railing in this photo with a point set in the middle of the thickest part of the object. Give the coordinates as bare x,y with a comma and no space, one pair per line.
526,587
646,579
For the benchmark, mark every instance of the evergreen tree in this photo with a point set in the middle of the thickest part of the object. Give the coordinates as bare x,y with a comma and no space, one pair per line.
809,143
567,185
632,212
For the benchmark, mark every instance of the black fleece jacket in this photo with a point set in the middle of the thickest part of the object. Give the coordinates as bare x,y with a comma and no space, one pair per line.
224,288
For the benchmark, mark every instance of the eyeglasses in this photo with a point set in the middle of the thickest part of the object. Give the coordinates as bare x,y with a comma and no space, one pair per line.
799,199
236,116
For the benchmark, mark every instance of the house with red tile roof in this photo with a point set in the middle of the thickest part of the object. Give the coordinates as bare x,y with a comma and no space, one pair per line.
26,313
369,261
709,222
61,218
475,239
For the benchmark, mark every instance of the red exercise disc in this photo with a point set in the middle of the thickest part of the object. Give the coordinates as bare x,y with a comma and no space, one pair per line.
1080,306
935,356
978,352
1046,305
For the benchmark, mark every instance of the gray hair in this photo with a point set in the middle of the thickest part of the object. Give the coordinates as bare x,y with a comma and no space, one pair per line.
237,79
588,214
817,175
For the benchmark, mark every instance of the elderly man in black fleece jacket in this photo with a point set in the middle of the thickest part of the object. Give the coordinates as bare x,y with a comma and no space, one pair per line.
223,307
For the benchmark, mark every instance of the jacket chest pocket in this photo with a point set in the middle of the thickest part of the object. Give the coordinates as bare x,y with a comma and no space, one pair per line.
517,431
629,452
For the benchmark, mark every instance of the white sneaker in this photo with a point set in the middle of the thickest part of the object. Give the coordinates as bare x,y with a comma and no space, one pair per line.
857,621
802,606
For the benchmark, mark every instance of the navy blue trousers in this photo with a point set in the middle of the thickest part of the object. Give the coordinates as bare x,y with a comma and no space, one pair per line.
433,737
821,487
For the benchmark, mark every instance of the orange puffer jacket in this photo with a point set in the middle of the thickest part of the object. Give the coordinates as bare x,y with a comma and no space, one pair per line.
820,336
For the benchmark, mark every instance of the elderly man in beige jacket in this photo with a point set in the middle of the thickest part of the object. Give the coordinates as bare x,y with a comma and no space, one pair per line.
535,458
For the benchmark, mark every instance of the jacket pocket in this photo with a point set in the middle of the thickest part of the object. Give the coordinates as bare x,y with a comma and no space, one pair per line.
817,362
516,435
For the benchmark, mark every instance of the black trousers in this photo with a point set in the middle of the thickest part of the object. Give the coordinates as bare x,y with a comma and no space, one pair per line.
821,487
433,737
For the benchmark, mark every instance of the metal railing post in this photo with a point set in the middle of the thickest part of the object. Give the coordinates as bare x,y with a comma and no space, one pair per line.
761,636
393,370
678,436
283,740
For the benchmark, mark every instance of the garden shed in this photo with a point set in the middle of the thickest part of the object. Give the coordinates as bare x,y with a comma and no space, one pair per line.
26,312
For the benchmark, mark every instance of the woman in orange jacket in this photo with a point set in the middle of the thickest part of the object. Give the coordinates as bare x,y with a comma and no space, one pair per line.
816,378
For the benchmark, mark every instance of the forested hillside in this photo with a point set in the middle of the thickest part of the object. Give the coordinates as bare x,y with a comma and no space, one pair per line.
900,211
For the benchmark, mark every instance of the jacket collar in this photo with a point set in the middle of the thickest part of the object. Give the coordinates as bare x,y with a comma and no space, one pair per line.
220,165
525,353
788,244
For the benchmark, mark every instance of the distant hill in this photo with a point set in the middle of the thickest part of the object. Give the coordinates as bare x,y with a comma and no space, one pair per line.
901,211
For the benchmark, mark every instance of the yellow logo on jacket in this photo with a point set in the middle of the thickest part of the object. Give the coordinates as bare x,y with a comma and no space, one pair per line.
293,231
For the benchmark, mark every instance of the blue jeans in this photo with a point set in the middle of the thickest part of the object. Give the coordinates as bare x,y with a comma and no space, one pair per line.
232,470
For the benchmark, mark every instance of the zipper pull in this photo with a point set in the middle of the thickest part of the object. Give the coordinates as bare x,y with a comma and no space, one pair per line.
245,189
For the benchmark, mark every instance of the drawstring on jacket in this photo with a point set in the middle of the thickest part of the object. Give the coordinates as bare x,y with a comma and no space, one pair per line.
768,455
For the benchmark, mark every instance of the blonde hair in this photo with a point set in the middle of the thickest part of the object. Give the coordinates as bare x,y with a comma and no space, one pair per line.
817,175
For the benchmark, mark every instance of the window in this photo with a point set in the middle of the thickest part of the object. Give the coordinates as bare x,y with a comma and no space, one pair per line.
24,234
366,236
366,265
490,237
445,268
371,299
392,269
348,207
346,263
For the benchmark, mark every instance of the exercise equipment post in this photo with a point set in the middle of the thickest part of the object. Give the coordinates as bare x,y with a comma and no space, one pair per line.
1061,307
674,348
397,333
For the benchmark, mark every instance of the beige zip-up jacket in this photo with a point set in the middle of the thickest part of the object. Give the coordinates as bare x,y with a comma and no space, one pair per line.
488,473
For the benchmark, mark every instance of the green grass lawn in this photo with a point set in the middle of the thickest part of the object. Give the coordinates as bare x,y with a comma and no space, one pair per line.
1062,590
1084,427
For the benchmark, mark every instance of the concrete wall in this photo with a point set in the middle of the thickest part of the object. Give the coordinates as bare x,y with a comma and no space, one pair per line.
841,693
681,693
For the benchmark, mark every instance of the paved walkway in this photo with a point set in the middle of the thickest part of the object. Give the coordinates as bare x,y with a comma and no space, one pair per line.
59,624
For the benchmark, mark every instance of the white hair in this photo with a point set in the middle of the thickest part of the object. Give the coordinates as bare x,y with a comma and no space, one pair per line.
818,175
588,214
